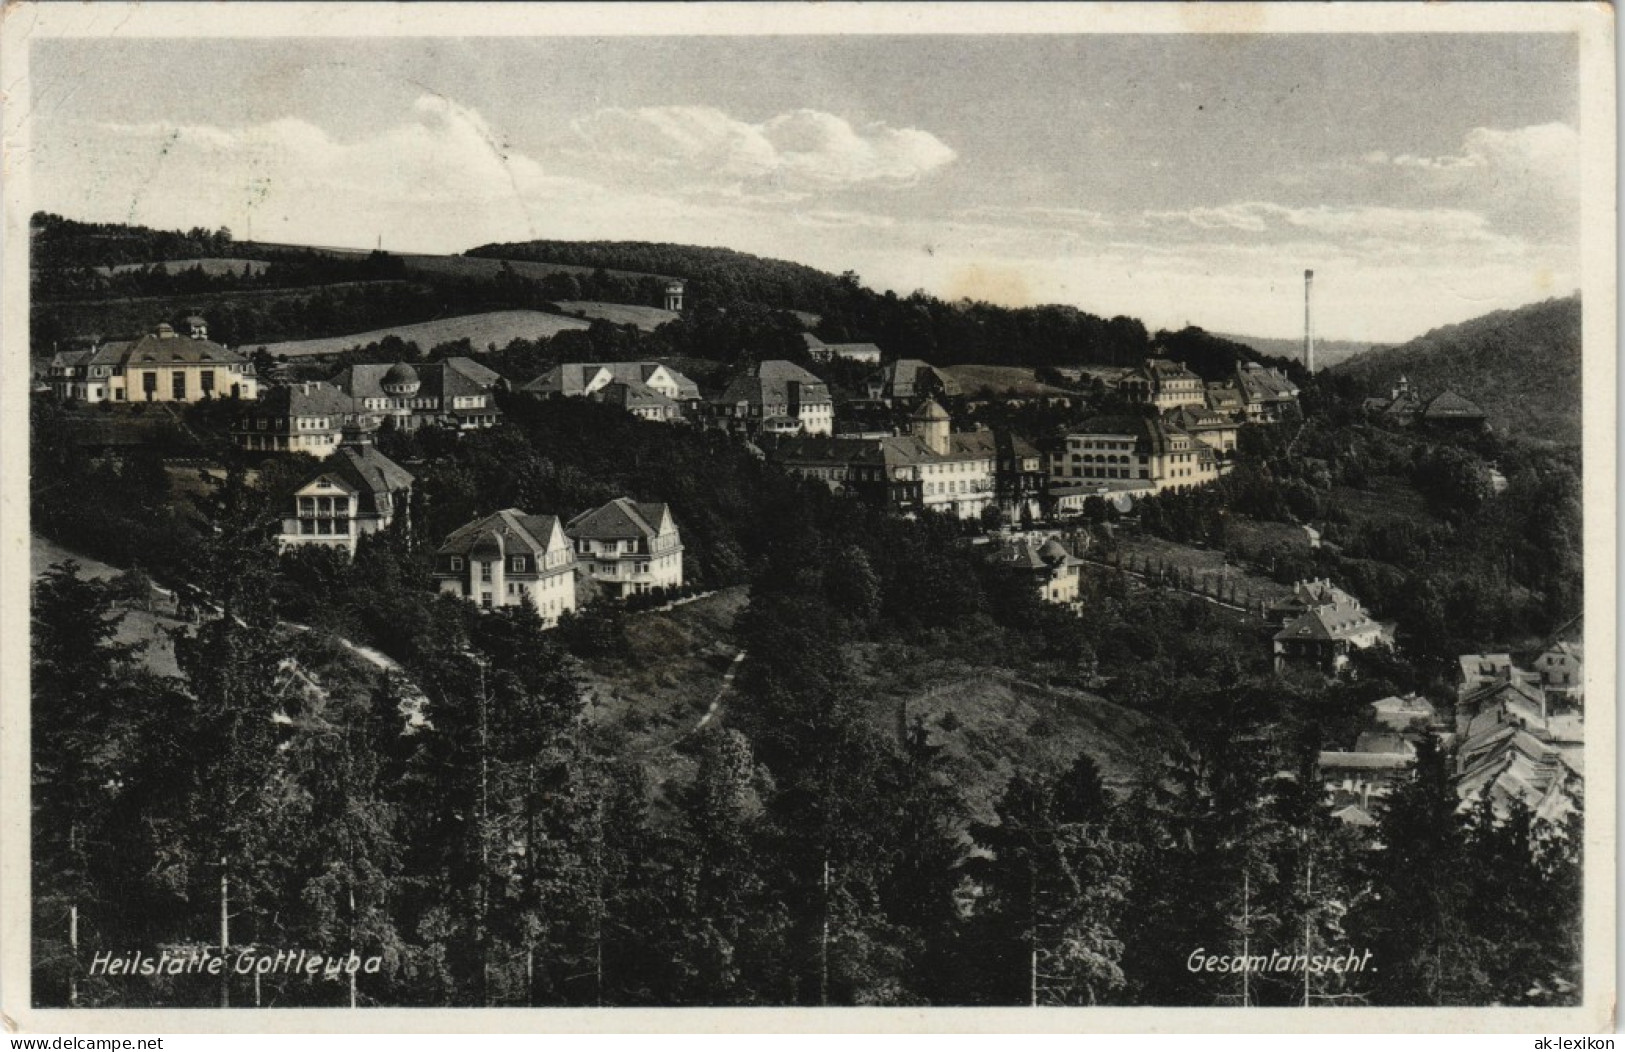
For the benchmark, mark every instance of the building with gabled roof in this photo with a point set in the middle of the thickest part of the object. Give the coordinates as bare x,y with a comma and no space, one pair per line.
1321,626
307,417
867,353
1266,394
584,379
1051,566
932,468
1164,383
161,366
507,558
775,388
1137,455
629,547
910,380
357,491
1216,429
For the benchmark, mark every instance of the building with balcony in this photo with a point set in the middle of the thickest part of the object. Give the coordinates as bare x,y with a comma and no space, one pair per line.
628,547
357,491
507,558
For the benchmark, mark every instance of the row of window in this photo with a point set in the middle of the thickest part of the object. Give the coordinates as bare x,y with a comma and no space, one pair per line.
326,527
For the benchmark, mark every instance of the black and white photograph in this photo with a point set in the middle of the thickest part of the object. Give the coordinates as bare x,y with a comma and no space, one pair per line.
809,507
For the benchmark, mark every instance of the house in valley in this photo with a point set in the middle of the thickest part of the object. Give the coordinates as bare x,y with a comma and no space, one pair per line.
508,558
628,547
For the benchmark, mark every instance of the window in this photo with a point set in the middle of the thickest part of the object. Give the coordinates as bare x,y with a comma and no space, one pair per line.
485,600
341,505
149,384
517,564
206,379
177,382
485,570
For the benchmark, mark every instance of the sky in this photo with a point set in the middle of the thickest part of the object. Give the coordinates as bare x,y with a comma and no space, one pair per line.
1180,179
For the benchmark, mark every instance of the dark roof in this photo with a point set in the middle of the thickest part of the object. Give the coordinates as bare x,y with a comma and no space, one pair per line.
633,393
768,383
620,519
171,350
367,472
572,378
1448,405
444,379
903,377
502,532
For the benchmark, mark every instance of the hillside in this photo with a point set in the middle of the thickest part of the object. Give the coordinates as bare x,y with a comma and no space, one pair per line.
1327,352
647,319
982,380
1522,366
719,273
483,331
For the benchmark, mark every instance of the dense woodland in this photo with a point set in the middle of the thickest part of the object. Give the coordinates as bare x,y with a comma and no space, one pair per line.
1522,367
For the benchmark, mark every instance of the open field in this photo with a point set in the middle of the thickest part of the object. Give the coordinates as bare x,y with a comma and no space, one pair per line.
646,318
496,328
1001,378
212,267
660,686
1387,500
147,626
1207,565
991,724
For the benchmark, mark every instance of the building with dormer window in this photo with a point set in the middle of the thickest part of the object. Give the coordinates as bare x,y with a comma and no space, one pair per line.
358,491
507,558
160,367
628,547
308,417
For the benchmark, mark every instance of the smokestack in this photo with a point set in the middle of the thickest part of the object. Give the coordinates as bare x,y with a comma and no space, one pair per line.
1308,320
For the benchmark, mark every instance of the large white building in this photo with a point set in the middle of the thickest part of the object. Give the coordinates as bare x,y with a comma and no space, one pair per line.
772,392
628,547
357,491
509,557
160,367
1137,455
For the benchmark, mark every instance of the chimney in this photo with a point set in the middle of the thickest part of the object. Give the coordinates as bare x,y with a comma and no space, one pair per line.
1308,321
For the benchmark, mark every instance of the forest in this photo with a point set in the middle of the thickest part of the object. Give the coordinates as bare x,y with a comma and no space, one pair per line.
470,822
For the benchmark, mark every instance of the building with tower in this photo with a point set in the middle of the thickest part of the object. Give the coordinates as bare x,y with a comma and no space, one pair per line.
674,296
308,417
931,468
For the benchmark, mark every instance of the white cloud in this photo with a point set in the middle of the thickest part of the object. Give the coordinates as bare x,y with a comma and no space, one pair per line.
801,151
1526,179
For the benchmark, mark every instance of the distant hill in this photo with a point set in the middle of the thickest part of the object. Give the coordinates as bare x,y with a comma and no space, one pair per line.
1327,352
720,274
1521,366
497,328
